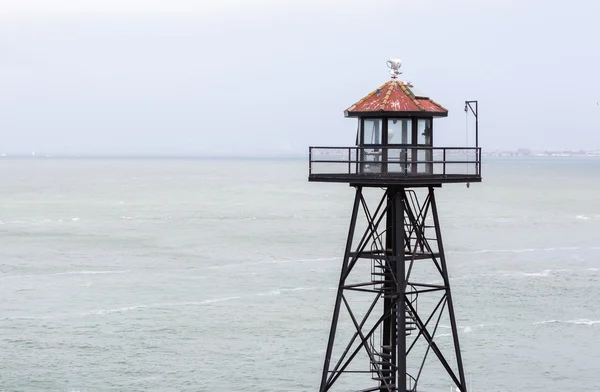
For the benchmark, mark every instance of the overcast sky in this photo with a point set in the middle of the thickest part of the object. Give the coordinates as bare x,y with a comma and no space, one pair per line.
271,76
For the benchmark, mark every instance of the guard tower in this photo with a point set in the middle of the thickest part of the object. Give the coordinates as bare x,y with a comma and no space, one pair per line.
393,326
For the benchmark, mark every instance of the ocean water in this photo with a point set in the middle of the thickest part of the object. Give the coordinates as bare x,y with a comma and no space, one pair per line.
202,275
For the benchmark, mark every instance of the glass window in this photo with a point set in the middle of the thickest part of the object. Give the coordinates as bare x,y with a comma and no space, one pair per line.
372,135
424,132
399,131
372,131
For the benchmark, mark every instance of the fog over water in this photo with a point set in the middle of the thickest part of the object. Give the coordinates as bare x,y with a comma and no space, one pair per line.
258,77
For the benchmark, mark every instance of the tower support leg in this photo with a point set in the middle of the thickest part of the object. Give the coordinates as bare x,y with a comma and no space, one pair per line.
396,242
338,299
440,245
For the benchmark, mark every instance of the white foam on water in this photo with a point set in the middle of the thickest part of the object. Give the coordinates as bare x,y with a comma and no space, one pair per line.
42,221
64,273
544,273
115,310
583,217
583,322
90,272
211,301
467,329
272,292
562,248
157,305
576,322
546,322
30,318
298,289
442,335
279,291
506,250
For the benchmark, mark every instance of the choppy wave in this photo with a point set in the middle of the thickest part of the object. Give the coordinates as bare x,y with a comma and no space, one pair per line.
544,273
587,217
541,274
519,274
563,248
279,291
157,305
38,221
84,272
91,272
546,322
465,329
271,262
576,322
189,303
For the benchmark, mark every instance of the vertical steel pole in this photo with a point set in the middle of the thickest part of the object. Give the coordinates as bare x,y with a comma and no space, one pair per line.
477,136
387,339
476,124
399,234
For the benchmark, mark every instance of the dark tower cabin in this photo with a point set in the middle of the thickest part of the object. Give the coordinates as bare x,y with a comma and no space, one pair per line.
393,326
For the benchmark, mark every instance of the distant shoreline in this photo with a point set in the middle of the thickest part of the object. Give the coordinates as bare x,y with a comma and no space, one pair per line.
156,157
251,158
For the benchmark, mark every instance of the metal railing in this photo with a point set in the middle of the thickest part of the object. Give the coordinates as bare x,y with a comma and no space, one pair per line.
394,161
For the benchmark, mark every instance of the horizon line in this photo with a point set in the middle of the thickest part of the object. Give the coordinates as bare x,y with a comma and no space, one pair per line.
149,156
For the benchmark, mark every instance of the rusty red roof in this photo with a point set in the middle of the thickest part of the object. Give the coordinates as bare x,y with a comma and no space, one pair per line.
396,97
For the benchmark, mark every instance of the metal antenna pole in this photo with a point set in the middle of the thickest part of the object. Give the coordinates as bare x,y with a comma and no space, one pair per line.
476,114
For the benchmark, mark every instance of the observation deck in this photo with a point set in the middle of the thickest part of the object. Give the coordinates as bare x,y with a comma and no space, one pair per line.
390,165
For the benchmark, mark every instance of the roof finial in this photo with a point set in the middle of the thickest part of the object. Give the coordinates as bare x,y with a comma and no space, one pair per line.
394,66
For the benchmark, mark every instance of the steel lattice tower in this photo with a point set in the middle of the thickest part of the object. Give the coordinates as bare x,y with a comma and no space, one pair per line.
394,291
